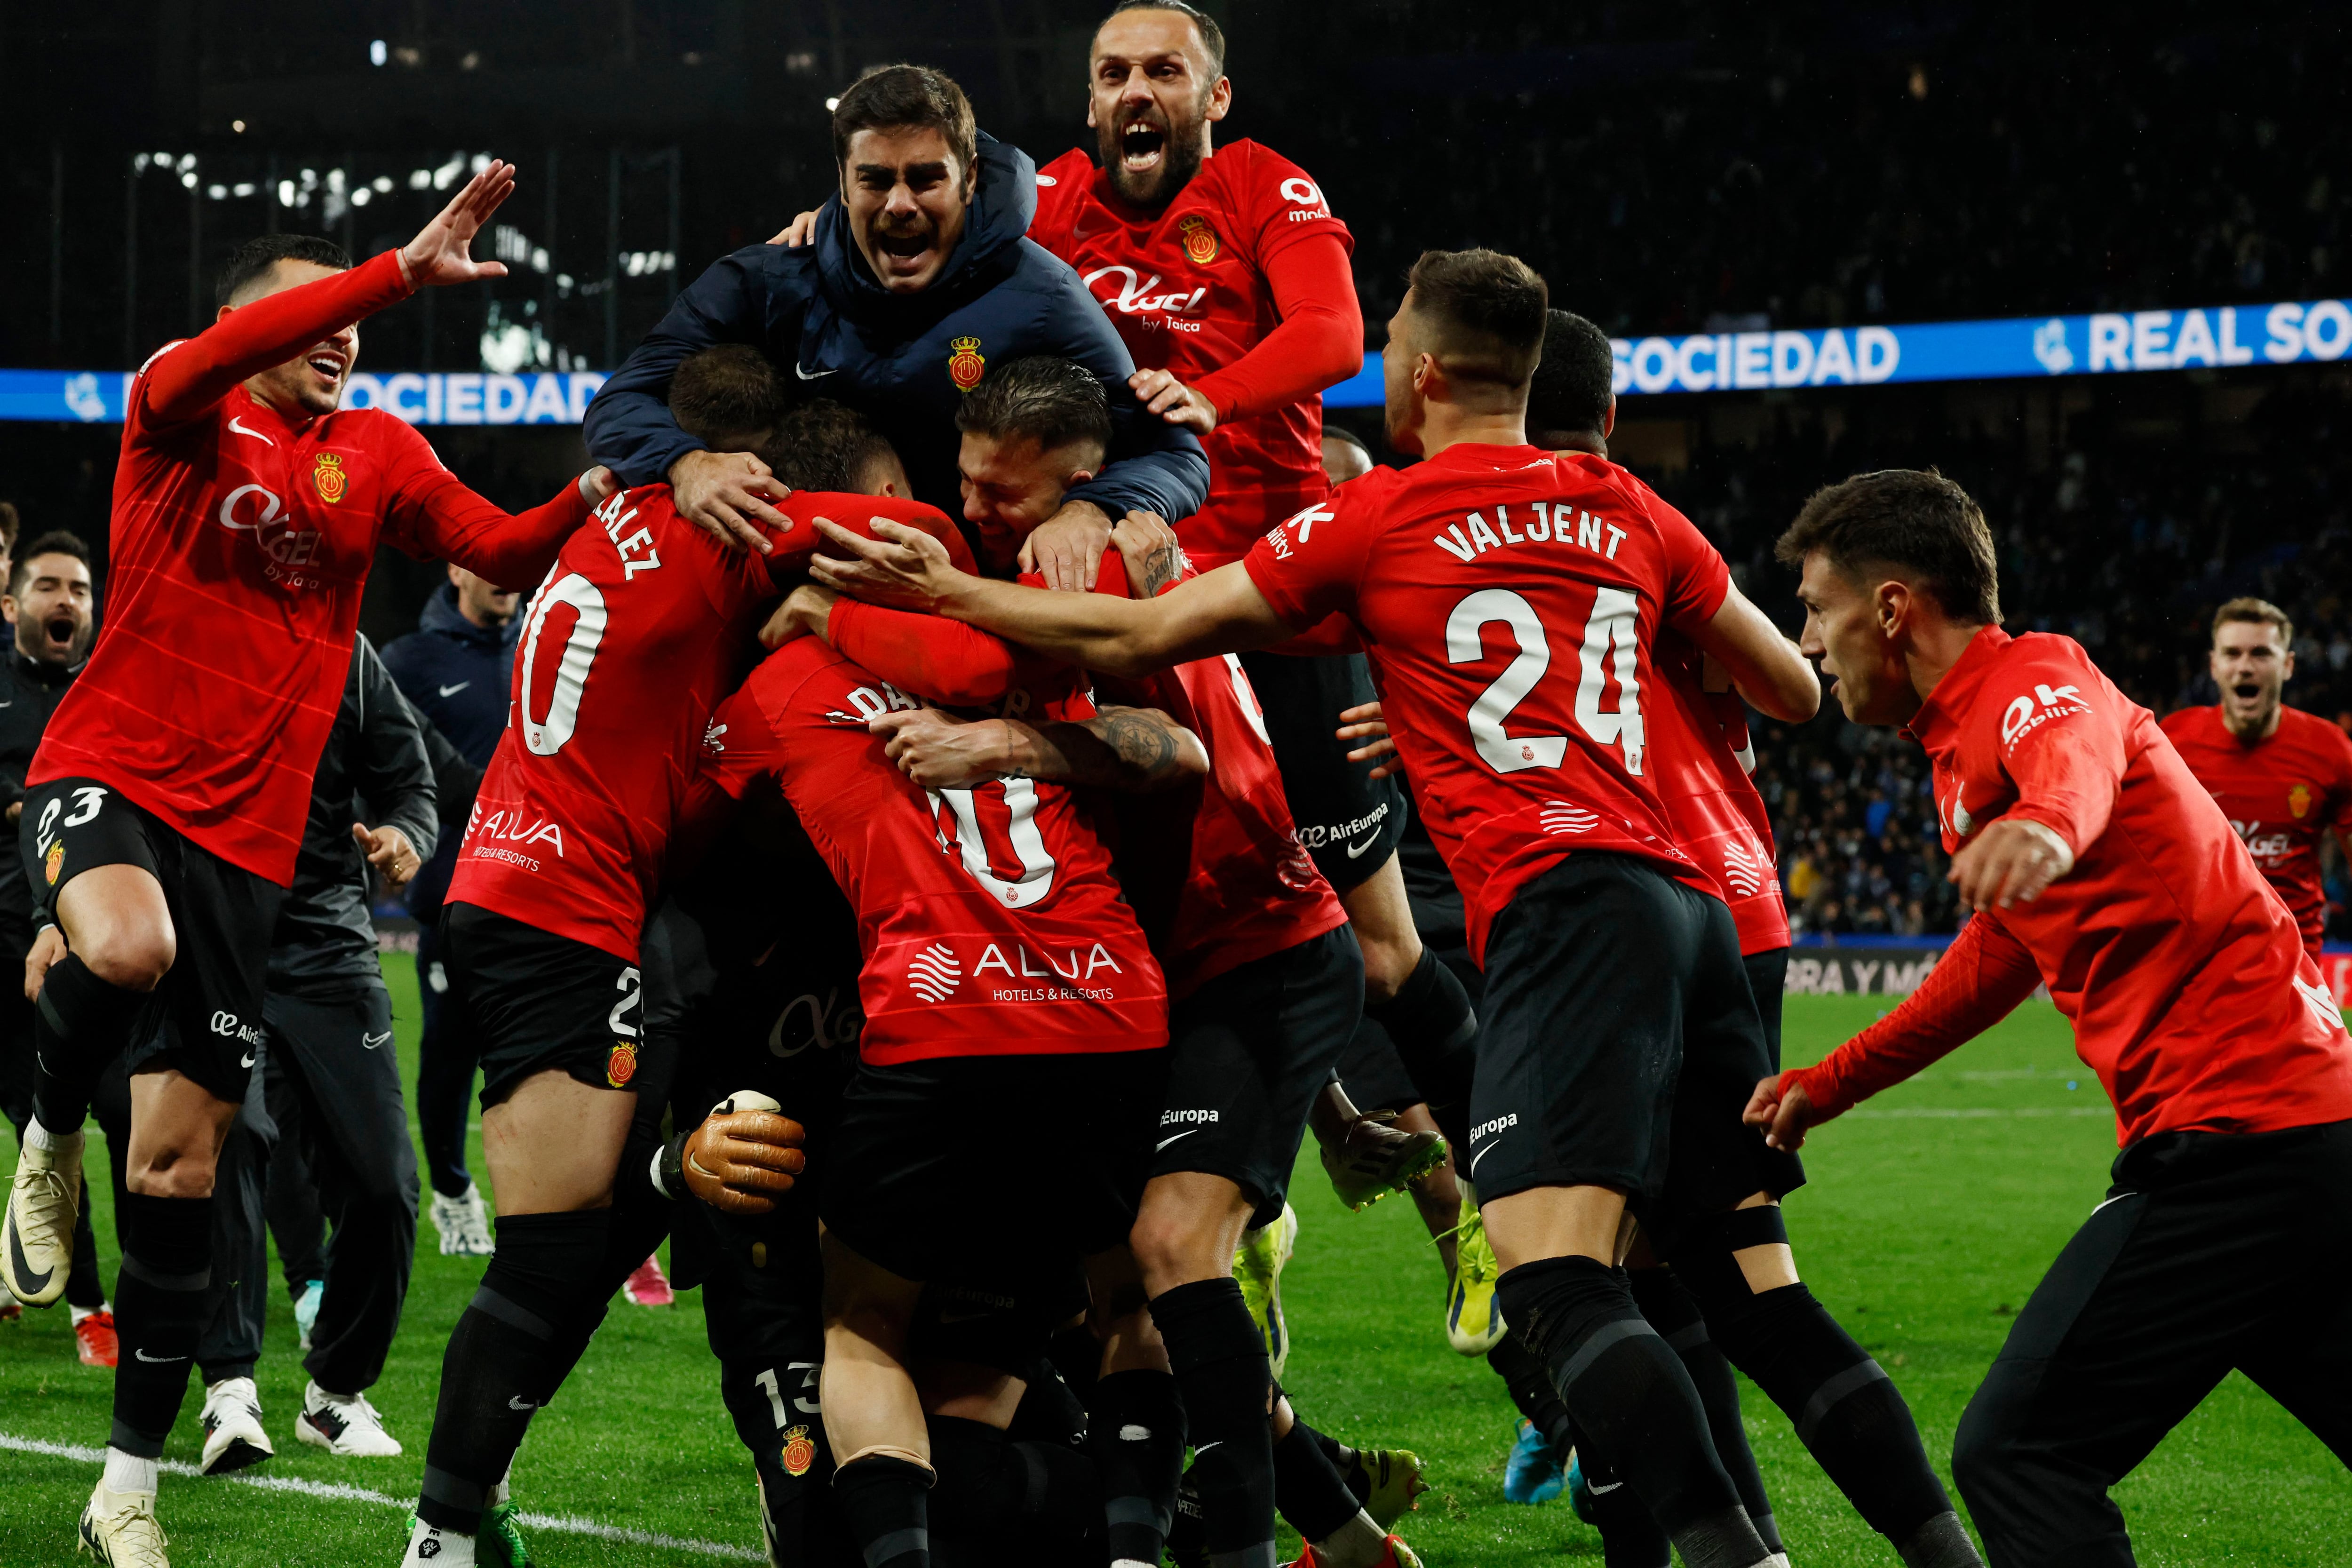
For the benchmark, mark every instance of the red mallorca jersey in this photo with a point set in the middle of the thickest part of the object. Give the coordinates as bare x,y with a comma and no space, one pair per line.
1701,744
1187,292
240,543
2280,793
1215,869
2184,976
988,919
644,622
1508,599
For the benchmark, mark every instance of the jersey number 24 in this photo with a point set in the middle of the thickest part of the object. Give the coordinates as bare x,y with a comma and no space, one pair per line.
1610,645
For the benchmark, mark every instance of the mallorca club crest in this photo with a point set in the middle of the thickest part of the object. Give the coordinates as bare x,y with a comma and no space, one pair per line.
57,860
1200,239
330,479
965,365
621,1063
799,1451
2298,800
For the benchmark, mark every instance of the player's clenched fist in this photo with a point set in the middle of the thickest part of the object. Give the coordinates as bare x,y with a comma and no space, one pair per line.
1781,1107
743,1155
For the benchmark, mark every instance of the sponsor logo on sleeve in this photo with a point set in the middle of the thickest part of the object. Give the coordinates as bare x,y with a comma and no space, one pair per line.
2029,712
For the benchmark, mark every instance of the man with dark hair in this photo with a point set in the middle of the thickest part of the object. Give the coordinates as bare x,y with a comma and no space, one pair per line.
821,445
728,395
1572,400
1618,1024
927,206
2096,863
2284,777
164,811
8,526
52,607
1032,432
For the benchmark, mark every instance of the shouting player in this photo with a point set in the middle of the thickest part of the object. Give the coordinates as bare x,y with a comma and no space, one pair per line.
1617,1010
2282,776
165,811
2095,864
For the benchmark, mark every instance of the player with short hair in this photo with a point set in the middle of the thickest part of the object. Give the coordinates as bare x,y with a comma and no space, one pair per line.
2282,776
1265,982
2096,863
52,607
642,625
1616,1008
164,812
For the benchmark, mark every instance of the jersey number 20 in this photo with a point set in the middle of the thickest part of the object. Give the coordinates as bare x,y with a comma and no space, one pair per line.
546,736
1611,644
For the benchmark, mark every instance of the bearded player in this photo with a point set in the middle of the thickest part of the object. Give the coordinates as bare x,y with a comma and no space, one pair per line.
2282,776
1618,1018
165,807
2096,864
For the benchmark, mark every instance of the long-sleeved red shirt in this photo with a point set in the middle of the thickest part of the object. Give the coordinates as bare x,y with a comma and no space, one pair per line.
241,543
2183,974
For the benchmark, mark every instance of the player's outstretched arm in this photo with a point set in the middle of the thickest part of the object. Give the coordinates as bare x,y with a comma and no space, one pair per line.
1137,751
434,515
1770,673
1222,611
1981,978
441,254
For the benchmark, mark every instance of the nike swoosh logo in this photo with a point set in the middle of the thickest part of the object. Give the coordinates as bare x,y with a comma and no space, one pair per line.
22,1266
248,1062
1355,850
373,1041
1482,1154
157,1360
243,430
1165,1141
1604,1491
807,374
453,690
517,1402
1201,1448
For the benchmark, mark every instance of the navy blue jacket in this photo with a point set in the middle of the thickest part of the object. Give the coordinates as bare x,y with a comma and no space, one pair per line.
455,674
820,309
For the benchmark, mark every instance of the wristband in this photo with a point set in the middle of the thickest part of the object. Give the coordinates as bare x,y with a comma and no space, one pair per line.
667,1171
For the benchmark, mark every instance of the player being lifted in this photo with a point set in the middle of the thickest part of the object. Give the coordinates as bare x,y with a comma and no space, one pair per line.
165,807
2093,863
2282,776
1512,599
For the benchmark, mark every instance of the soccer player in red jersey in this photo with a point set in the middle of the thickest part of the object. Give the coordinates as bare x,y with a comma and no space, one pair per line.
1010,1000
1615,1004
644,622
1265,981
2098,865
2282,776
165,807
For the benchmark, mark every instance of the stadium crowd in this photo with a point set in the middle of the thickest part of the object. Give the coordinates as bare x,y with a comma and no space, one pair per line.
1022,726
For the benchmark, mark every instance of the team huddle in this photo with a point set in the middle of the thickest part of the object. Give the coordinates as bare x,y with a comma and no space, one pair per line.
983,771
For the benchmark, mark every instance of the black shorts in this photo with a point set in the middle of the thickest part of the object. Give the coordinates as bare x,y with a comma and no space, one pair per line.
1620,1045
1348,820
1374,1077
1768,978
209,1005
991,1170
1247,1053
534,1001
1004,1326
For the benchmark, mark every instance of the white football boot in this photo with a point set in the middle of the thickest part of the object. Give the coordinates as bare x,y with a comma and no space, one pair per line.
232,1424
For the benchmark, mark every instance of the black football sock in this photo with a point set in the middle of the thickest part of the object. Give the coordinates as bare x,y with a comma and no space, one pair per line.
1436,1034
163,1298
505,1356
1529,1382
1076,1356
1220,1363
1308,1487
992,1491
1049,1411
1355,1477
1630,1395
885,1501
1630,1537
1847,1411
1673,1312
80,1025
84,1290
799,1515
1135,1431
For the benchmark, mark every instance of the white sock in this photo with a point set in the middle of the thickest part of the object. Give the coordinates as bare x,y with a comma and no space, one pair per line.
450,1550
1358,1543
39,1137
128,1473
81,1312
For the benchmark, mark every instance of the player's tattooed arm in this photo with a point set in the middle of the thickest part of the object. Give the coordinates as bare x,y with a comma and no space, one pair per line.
1136,750
1148,545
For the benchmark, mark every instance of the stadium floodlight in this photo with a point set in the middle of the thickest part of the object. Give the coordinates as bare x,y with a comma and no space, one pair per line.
244,189
139,164
418,178
217,193
189,179
383,183
377,53
360,196
446,175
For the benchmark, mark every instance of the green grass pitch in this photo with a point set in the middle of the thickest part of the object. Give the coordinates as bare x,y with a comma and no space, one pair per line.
1930,1215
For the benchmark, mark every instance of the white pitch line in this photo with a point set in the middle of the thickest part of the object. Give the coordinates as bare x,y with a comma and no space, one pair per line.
1909,1112
564,1524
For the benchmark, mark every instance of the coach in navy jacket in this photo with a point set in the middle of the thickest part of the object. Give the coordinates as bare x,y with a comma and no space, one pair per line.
905,361
455,674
